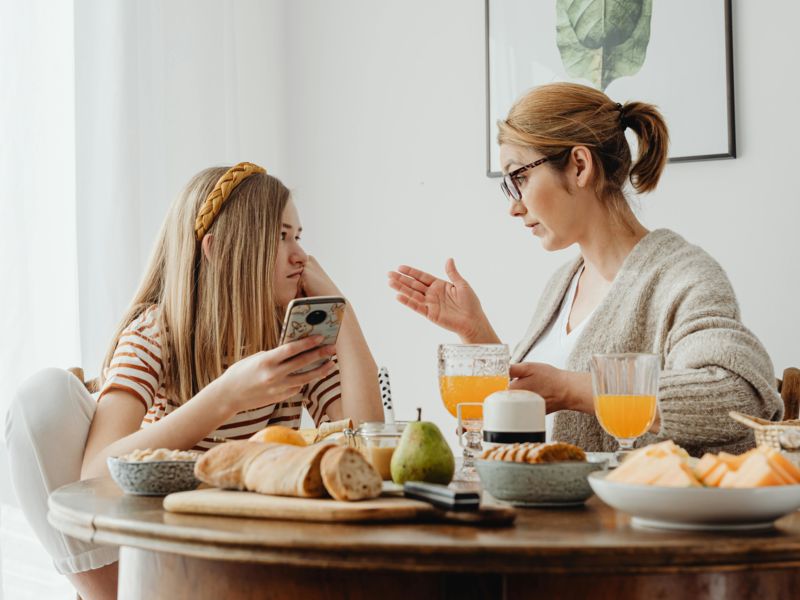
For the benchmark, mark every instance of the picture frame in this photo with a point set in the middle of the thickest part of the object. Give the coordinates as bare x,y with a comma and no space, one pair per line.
676,54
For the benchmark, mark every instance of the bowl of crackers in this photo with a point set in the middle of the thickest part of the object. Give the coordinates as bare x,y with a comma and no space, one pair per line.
539,474
154,472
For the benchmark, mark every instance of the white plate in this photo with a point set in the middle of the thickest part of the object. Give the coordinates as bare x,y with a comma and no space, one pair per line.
697,508
545,504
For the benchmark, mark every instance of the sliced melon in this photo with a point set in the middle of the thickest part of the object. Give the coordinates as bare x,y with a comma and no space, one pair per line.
716,476
757,472
678,475
783,465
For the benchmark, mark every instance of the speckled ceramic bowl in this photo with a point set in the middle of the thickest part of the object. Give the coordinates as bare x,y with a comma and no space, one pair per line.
537,485
153,478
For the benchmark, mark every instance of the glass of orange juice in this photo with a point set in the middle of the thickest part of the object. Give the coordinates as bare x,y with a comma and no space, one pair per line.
470,373
624,388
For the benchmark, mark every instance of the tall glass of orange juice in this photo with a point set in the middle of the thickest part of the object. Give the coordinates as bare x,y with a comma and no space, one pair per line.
470,373
625,388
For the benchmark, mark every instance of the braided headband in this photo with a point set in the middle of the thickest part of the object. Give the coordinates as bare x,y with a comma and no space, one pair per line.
222,190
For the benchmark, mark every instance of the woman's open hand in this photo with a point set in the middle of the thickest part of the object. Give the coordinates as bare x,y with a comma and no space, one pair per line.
270,376
452,304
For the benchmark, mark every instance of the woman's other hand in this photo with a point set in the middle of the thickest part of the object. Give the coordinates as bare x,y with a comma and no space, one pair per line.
315,281
270,376
452,304
561,390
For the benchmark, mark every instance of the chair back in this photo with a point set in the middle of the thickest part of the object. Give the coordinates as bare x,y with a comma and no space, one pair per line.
789,389
93,385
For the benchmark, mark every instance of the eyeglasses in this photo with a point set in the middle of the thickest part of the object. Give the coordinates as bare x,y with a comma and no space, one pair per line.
509,183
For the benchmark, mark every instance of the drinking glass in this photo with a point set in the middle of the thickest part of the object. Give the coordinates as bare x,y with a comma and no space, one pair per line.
469,437
468,373
624,388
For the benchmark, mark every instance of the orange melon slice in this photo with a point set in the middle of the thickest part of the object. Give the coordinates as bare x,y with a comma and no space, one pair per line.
714,479
678,475
644,469
706,464
734,461
755,472
784,466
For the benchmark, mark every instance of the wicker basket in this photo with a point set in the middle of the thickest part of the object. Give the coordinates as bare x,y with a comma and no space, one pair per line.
781,435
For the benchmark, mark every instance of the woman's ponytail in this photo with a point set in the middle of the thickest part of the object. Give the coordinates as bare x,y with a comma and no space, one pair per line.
651,129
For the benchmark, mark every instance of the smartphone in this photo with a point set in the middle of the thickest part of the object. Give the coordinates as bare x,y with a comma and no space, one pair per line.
317,315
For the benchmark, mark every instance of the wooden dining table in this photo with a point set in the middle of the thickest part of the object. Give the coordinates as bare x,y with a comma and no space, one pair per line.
588,552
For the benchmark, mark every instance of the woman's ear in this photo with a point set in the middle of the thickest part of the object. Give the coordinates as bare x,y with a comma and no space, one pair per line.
208,241
582,164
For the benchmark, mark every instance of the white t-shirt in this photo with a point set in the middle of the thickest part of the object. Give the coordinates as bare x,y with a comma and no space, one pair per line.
555,344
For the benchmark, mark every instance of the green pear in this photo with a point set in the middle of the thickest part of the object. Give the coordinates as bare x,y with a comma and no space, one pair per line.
422,455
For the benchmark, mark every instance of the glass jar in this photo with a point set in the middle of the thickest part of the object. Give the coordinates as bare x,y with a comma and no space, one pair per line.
376,441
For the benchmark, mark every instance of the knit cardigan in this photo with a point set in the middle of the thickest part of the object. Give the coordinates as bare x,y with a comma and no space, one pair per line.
672,299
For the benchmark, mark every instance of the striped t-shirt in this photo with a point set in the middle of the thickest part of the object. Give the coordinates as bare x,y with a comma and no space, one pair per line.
136,367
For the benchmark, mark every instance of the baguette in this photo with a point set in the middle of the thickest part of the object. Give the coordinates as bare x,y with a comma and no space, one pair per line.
285,470
224,466
347,475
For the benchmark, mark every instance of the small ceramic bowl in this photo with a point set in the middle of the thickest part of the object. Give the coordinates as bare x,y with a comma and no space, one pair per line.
153,478
537,485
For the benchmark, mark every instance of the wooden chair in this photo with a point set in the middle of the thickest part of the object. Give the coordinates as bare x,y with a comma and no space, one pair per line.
93,385
789,389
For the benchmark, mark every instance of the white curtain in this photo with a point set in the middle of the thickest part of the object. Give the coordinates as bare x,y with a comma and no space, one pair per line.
164,89
107,108
38,252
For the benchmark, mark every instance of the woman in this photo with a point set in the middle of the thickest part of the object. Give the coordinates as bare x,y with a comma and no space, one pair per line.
566,161
195,360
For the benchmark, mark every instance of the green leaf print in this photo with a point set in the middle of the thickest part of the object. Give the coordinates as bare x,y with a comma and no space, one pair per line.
602,40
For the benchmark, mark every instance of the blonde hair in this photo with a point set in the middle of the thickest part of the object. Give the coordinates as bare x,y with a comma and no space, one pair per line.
213,311
556,117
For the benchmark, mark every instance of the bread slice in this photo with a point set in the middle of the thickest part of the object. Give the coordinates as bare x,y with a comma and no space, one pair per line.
224,466
285,470
348,476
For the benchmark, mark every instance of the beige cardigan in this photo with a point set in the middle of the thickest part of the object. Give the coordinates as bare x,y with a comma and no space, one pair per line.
670,298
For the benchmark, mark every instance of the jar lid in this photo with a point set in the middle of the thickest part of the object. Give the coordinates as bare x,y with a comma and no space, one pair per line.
514,411
379,428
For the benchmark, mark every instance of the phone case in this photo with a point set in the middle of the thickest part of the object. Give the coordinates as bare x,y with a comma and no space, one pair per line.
313,316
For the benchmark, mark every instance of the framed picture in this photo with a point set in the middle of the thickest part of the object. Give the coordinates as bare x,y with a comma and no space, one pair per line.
675,54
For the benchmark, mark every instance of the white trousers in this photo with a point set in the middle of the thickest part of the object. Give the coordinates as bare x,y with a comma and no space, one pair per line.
46,430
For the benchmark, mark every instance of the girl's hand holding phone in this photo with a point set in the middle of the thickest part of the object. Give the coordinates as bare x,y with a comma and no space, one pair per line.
270,376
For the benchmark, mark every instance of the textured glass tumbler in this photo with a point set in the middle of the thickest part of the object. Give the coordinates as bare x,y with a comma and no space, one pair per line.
469,373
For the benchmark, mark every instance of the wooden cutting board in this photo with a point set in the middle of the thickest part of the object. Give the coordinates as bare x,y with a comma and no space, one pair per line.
386,508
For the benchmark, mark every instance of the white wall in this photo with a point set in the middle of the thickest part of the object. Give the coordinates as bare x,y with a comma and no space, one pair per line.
163,90
374,113
386,156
